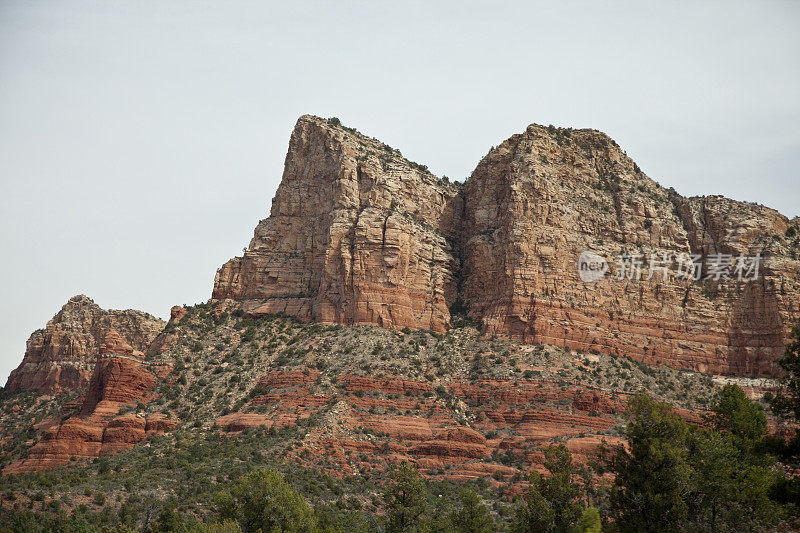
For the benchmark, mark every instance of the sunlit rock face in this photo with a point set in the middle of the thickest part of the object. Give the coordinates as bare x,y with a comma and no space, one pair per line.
359,235
541,198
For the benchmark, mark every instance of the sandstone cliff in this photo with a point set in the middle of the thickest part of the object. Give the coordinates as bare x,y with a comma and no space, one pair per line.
62,356
542,197
119,378
359,235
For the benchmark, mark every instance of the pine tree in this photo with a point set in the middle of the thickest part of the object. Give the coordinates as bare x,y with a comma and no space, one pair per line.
263,501
406,500
473,517
553,503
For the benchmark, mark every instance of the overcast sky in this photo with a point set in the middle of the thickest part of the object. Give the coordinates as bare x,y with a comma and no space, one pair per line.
140,142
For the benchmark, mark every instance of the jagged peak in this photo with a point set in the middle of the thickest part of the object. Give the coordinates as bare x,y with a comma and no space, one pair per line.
81,299
366,146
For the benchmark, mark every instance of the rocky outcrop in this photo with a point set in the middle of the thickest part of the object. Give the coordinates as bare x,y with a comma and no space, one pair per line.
88,438
359,235
119,379
388,419
236,422
62,356
541,198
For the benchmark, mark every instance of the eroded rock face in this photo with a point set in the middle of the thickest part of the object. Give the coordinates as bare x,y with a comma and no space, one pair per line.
514,418
119,379
62,356
357,235
757,315
542,197
88,438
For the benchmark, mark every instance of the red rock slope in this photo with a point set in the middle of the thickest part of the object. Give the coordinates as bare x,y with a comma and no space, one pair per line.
120,378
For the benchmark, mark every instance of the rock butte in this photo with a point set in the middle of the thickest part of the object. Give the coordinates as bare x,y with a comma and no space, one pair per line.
359,235
62,356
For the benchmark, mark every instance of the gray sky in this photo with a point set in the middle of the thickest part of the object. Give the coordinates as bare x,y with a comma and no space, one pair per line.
140,142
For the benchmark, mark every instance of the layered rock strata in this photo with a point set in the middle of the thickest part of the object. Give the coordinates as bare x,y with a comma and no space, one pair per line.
541,198
509,421
62,355
359,235
120,378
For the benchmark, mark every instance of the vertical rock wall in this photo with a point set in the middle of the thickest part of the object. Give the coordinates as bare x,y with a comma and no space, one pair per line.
359,235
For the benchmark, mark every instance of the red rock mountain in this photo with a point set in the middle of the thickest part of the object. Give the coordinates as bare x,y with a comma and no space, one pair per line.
542,197
359,235
62,356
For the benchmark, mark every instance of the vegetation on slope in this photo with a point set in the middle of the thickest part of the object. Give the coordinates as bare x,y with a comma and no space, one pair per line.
710,476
